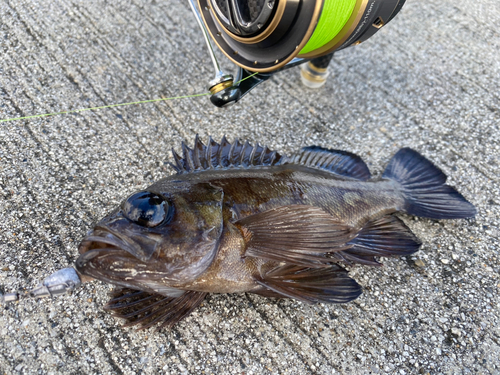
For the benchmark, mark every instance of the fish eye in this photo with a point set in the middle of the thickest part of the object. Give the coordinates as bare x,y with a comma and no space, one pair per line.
146,209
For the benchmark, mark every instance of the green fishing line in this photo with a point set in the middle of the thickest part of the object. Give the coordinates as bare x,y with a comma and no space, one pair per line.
333,17
103,107
117,105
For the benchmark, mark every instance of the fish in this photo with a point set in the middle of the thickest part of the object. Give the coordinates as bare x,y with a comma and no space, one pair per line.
237,218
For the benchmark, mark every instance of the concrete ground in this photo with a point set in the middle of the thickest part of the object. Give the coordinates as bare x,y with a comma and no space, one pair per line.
429,80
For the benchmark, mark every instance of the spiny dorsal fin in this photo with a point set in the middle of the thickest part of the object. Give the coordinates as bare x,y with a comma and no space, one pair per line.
223,155
339,162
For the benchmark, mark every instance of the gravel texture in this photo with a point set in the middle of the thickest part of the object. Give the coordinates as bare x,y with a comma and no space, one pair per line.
429,80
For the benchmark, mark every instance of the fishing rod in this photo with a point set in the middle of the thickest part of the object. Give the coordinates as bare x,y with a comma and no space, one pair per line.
264,37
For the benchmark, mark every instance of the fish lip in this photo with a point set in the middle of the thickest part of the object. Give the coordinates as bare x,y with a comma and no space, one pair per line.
102,238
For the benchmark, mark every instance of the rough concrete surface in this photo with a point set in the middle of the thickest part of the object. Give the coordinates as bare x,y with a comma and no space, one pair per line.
429,80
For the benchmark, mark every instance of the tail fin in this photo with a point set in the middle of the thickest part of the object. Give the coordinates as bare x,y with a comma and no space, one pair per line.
423,185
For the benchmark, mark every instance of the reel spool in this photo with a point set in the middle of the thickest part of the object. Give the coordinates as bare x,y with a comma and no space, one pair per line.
264,35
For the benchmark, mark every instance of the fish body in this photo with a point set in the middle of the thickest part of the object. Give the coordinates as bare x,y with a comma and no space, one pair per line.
252,191
238,218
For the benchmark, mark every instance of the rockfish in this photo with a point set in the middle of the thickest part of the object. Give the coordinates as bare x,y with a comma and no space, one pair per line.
240,218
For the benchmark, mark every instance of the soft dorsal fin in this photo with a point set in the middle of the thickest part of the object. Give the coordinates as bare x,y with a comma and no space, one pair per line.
339,162
223,155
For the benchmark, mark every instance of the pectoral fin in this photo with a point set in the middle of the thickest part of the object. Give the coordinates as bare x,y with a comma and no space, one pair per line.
296,234
147,309
312,285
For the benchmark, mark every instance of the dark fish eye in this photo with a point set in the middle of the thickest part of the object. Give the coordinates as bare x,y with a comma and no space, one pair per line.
146,209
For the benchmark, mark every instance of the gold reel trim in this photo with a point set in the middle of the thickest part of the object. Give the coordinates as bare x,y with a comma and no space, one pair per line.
262,36
314,21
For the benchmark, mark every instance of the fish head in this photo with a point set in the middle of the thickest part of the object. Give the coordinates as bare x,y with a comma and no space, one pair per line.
161,237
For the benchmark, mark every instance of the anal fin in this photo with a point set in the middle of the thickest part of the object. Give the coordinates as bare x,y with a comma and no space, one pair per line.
387,236
148,309
312,285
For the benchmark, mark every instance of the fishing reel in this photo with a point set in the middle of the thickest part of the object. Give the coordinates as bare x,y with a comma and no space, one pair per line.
263,37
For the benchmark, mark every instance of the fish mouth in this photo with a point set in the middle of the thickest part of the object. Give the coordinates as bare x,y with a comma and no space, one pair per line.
104,239
118,235
115,258
109,256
